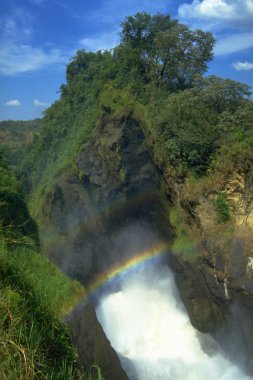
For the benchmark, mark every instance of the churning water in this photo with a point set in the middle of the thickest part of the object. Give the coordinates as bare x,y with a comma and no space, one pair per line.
149,328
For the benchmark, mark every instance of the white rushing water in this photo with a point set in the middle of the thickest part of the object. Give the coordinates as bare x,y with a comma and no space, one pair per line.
148,326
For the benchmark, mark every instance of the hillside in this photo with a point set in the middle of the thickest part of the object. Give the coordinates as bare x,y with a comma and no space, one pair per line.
34,296
15,136
141,135
38,304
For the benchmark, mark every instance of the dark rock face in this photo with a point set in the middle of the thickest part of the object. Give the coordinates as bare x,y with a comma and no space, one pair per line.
217,285
116,192
218,306
92,345
194,286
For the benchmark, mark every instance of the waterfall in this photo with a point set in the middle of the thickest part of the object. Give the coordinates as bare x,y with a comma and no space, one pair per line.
148,326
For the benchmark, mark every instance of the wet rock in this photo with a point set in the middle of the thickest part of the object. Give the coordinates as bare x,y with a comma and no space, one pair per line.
92,345
207,313
217,287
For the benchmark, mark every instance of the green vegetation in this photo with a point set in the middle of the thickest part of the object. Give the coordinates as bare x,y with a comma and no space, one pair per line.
222,208
34,296
16,225
15,136
198,128
186,241
192,126
94,373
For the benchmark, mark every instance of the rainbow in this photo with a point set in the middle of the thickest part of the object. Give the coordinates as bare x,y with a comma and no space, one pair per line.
91,220
147,256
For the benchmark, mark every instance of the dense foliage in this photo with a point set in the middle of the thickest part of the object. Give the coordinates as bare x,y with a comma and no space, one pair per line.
157,72
195,125
16,224
190,124
167,52
34,342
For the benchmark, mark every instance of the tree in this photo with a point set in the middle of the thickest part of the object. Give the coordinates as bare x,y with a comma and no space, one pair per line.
80,63
222,94
169,52
182,55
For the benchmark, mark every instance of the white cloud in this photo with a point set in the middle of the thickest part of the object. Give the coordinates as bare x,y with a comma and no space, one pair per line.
16,55
207,9
237,12
243,66
13,103
38,103
234,43
16,27
16,59
104,41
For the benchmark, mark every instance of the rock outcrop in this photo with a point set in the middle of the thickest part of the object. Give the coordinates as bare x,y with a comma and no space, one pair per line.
217,286
114,191
93,348
95,218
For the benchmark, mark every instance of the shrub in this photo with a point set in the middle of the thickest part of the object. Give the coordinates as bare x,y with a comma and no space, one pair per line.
222,207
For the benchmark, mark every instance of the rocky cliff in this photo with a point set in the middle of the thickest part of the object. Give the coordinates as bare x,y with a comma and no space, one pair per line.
111,206
217,285
101,214
114,187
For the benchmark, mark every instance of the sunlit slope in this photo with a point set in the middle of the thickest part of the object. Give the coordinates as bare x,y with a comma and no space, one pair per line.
15,137
34,296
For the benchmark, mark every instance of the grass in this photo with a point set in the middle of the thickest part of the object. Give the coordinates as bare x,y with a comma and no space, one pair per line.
94,373
34,295
47,161
186,242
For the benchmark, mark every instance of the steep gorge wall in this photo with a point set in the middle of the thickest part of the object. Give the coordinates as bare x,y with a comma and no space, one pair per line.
217,285
115,188
111,207
98,216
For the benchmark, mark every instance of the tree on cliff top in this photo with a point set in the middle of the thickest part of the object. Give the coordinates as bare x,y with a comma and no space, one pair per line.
153,49
169,52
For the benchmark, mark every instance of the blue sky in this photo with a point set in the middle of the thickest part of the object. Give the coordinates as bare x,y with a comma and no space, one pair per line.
39,37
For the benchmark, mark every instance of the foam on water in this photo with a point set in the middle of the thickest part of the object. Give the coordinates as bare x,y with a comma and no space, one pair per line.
149,328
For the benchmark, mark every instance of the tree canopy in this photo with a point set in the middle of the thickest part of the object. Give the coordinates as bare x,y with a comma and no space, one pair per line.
157,73
168,51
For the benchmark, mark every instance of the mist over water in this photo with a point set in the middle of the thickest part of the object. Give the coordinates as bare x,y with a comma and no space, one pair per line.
148,326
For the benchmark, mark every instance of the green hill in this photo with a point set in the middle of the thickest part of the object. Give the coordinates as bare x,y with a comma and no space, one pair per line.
15,136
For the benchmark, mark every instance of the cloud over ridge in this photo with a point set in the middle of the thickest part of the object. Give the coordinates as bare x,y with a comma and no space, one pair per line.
38,103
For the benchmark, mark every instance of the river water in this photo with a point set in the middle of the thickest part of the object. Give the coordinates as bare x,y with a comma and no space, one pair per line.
148,326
